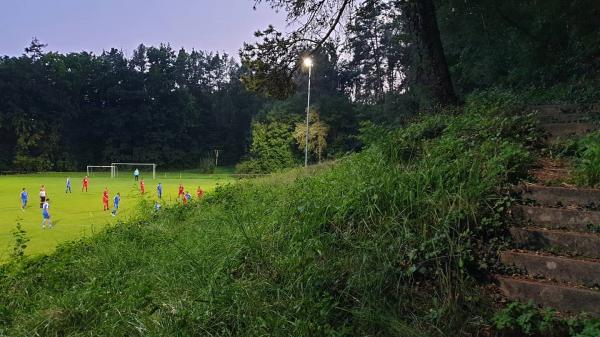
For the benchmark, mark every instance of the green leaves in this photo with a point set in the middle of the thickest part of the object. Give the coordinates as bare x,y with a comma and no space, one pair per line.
587,160
271,149
317,135
21,240
584,152
526,319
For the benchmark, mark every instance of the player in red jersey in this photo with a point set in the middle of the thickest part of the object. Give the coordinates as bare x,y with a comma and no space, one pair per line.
180,192
86,183
142,186
105,198
200,192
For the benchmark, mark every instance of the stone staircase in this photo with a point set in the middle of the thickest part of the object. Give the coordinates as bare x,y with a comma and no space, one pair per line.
563,121
556,234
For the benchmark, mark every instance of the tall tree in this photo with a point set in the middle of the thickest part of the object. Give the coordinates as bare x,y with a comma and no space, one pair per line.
432,67
378,51
273,61
317,135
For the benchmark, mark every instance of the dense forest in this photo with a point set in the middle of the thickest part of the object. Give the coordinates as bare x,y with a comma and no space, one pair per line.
63,112
394,58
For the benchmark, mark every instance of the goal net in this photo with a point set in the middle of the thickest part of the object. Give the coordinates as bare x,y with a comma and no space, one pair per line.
127,169
100,171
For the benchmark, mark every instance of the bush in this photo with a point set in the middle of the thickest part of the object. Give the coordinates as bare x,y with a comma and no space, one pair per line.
585,154
206,165
252,166
587,160
271,149
520,319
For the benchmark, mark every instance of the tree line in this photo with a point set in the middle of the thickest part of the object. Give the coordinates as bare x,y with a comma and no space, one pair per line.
174,108
64,111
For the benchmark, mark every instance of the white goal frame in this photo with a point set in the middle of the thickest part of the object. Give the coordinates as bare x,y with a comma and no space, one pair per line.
88,169
116,169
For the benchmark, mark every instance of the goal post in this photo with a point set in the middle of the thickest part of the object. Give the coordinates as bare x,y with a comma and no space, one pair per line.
90,169
115,171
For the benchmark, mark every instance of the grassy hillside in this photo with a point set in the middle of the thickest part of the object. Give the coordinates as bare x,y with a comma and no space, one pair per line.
386,242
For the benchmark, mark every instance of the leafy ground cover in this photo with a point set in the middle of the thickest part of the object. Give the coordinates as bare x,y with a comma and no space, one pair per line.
526,319
390,241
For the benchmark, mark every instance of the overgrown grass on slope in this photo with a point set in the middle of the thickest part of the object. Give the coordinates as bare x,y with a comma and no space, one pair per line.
585,153
383,243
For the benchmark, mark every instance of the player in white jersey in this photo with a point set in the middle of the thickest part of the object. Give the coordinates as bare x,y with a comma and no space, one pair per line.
46,214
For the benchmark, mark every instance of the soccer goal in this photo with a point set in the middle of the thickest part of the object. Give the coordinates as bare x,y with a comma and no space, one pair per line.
94,170
133,166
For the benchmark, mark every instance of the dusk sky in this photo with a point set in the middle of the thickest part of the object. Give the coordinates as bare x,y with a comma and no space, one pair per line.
94,25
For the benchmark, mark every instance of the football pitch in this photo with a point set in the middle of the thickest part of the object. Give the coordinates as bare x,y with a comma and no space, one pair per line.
79,214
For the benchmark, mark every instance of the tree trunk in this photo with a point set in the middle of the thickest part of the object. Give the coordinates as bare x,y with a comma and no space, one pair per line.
423,22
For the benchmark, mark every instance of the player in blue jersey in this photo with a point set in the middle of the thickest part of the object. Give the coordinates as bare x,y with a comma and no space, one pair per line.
159,190
116,202
24,197
46,214
68,186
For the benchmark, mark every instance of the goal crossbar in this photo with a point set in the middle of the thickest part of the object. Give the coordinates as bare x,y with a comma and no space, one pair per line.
88,169
116,171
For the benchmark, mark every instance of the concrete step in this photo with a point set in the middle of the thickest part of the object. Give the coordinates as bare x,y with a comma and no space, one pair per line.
561,297
561,113
563,269
572,243
557,218
560,196
566,130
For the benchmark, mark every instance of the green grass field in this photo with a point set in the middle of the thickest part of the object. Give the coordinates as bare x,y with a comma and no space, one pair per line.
80,214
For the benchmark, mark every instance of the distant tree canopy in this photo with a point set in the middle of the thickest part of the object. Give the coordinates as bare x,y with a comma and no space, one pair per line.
65,111
171,107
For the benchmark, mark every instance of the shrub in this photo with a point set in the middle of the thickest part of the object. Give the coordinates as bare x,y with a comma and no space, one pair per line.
206,165
271,149
519,319
526,319
585,155
587,160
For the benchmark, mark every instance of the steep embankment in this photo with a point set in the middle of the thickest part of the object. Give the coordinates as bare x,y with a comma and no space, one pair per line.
385,242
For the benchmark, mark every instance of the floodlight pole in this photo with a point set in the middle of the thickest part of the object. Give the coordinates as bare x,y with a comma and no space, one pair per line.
308,62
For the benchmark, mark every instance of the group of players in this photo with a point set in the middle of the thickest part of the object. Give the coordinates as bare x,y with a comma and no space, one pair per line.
182,196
